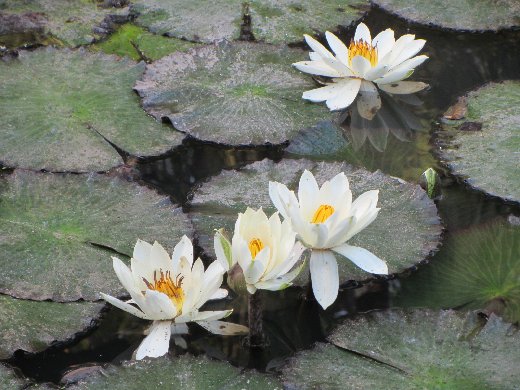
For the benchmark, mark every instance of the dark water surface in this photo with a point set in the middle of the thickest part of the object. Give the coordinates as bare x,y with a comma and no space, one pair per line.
293,320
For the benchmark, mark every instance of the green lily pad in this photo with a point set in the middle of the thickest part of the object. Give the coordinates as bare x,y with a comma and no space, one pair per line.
55,231
136,42
475,268
283,21
9,379
64,104
179,372
404,244
236,94
488,158
73,22
474,15
397,145
412,350
33,326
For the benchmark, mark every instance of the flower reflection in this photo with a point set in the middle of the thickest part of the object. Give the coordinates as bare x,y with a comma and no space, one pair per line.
373,116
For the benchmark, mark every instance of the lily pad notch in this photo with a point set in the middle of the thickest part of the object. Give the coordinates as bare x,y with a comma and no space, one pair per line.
215,205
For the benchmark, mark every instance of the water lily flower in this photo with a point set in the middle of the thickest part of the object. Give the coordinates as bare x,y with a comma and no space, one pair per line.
365,63
170,292
325,219
265,248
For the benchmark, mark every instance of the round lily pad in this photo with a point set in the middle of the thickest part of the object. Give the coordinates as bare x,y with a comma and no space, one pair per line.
231,93
474,15
412,350
69,106
406,230
58,232
475,268
9,379
282,21
33,326
486,154
179,372
74,22
137,43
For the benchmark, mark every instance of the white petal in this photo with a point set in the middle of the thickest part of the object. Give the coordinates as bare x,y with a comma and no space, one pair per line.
324,276
124,306
179,328
403,87
315,56
158,306
284,267
224,328
338,47
160,259
409,50
384,41
317,47
142,250
220,294
323,93
396,50
282,198
402,71
124,275
222,248
360,66
376,72
281,282
157,342
183,249
316,68
346,94
362,33
364,259
308,194
209,315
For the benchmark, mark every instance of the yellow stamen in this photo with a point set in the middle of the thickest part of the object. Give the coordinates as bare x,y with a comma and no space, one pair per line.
323,213
255,246
364,49
166,285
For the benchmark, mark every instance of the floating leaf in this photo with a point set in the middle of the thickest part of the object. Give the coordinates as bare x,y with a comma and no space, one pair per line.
238,94
179,372
73,22
474,15
488,157
281,21
411,350
402,244
55,230
56,101
33,326
135,42
9,379
475,268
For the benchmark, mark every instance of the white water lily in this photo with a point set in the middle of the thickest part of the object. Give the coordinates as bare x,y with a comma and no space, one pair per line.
170,292
325,219
265,248
365,63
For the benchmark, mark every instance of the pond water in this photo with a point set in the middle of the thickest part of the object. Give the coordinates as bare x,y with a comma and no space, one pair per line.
459,62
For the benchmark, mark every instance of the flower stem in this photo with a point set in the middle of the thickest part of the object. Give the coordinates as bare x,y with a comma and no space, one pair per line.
256,337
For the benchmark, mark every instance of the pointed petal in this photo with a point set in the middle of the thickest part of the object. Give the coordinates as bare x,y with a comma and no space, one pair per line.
158,306
346,94
317,47
308,193
208,315
364,259
360,66
409,50
403,87
157,342
124,275
384,41
282,198
142,250
220,294
222,248
316,68
338,47
124,306
362,33
321,94
224,328
324,276
184,248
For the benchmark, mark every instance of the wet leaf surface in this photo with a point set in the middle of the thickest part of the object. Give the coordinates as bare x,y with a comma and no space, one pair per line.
179,372
216,203
58,232
487,155
272,21
63,102
473,15
33,326
414,350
